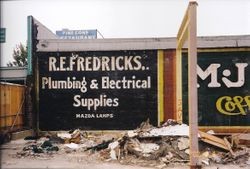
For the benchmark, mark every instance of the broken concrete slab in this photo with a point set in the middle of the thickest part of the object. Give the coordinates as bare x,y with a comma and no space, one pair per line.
183,143
177,130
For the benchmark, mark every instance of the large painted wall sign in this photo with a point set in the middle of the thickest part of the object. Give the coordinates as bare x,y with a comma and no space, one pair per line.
223,88
97,90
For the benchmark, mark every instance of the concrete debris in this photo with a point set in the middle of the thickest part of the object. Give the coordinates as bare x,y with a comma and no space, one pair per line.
85,142
205,161
113,145
177,130
211,132
239,157
132,133
143,150
183,143
205,154
204,158
161,166
70,137
169,156
248,161
165,145
170,122
114,150
64,135
145,126
100,146
72,145
187,151
215,157
132,146
113,154
35,149
148,148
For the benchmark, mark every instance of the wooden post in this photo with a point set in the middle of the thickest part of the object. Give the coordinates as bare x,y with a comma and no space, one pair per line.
187,31
192,86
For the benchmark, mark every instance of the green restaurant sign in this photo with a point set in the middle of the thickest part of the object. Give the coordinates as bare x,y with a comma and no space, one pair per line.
2,35
223,88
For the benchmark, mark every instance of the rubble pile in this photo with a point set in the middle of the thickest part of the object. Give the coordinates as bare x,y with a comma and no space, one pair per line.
38,149
169,144
146,145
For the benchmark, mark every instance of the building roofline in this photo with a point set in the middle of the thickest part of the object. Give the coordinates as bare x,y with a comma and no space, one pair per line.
50,42
50,45
12,68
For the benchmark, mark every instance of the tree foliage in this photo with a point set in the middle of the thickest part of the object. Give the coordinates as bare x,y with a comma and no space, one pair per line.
20,56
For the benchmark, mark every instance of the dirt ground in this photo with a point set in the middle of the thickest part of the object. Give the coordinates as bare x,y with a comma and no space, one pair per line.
84,160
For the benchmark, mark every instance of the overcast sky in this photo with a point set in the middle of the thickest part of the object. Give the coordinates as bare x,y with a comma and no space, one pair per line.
121,18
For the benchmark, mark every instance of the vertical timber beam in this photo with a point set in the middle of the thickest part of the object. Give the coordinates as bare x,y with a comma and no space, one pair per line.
181,38
160,63
178,102
188,32
192,86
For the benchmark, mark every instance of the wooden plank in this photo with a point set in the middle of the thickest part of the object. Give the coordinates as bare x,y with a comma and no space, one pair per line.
211,137
229,146
241,139
215,143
